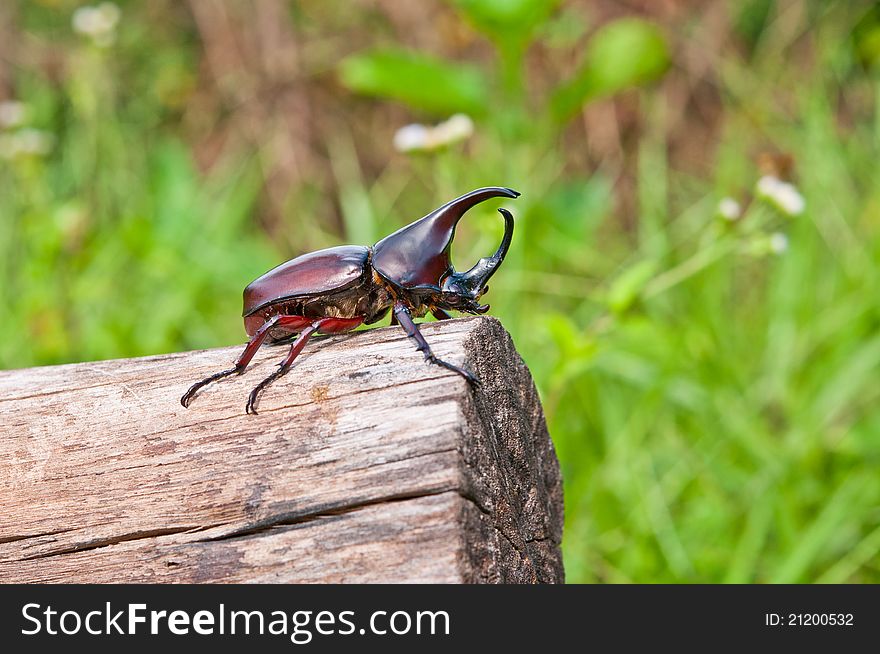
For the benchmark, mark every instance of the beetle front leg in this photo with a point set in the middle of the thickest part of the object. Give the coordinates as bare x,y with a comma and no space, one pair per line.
401,311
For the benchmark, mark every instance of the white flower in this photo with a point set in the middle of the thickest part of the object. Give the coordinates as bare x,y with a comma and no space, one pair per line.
26,142
12,113
423,138
411,138
767,186
98,22
778,243
729,209
782,195
458,128
790,200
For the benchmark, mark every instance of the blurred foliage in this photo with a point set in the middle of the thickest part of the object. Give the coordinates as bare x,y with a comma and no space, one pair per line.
401,76
708,368
622,54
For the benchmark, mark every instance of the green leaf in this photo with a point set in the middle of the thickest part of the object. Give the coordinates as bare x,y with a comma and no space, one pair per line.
506,19
417,80
626,53
627,288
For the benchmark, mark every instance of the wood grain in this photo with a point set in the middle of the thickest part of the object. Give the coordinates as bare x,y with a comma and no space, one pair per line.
364,465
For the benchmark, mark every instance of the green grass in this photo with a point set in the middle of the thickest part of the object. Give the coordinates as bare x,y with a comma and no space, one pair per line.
715,406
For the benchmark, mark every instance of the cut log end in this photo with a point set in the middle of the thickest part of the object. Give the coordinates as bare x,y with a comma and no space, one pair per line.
365,464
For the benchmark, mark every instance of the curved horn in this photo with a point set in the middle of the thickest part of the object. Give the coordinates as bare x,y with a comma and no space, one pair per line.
474,280
418,254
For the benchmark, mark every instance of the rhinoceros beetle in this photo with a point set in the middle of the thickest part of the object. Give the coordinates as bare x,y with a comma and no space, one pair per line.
335,290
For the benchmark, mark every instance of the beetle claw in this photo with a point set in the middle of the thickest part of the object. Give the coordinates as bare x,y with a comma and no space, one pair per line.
253,398
472,379
468,375
190,395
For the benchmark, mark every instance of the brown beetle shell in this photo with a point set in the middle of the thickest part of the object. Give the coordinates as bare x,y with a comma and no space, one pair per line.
315,273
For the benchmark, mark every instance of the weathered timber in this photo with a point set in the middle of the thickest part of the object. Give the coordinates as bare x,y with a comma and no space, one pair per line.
365,464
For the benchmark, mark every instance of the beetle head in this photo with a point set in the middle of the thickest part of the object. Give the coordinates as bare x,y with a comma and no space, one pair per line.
416,258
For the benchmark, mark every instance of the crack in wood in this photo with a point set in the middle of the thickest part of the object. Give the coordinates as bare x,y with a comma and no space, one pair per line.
293,519
16,538
113,540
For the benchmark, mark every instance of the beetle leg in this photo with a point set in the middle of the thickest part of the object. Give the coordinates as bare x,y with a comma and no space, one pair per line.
240,363
328,325
412,330
278,320
295,348
440,314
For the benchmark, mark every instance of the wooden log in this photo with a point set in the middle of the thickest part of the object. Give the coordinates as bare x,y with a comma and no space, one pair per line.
365,464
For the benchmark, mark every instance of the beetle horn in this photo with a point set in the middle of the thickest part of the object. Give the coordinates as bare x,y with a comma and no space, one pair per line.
473,281
418,254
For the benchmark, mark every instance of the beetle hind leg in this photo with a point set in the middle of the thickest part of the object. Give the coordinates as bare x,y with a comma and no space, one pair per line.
250,350
191,393
295,348
325,326
240,363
